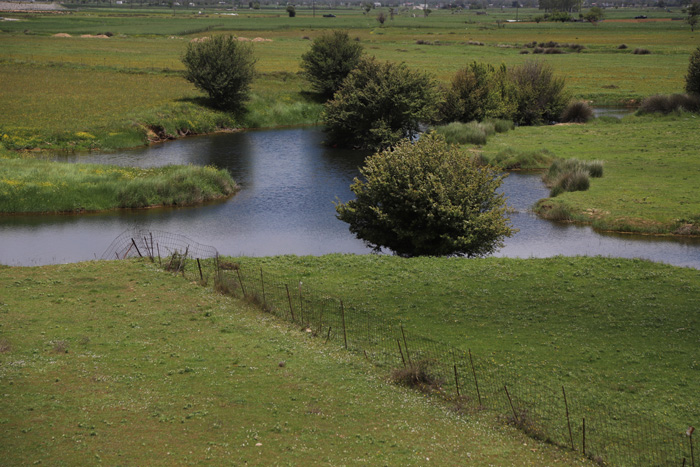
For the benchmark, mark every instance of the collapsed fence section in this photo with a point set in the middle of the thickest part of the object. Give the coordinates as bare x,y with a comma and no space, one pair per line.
470,379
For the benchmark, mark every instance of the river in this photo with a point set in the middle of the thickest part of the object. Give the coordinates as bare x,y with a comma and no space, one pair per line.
289,181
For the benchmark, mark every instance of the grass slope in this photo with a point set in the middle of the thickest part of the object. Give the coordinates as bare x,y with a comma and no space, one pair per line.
119,363
618,333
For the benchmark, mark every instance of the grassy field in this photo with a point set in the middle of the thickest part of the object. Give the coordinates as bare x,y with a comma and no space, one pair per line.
648,184
620,334
119,363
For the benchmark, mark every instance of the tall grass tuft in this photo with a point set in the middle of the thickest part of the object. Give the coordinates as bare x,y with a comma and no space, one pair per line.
511,159
176,185
577,112
571,175
501,125
472,132
666,104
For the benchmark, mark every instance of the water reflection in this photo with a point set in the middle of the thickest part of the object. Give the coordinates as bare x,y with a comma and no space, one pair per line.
289,181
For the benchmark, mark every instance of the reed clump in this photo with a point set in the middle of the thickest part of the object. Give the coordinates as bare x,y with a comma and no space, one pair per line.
571,175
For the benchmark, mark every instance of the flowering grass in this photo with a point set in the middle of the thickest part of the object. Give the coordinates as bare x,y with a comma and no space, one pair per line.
120,363
31,186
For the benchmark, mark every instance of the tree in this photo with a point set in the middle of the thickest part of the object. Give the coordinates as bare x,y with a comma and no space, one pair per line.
291,11
479,91
381,17
223,67
692,79
693,15
427,198
379,104
594,15
540,95
332,56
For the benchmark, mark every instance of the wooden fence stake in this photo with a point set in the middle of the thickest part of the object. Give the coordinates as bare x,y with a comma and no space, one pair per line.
160,263
456,379
240,281
690,439
329,334
199,265
345,333
405,346
568,420
137,248
398,342
289,298
517,420
476,383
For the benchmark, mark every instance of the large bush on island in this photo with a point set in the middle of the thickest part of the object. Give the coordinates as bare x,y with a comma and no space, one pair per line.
333,55
692,79
427,199
379,104
541,96
223,67
479,91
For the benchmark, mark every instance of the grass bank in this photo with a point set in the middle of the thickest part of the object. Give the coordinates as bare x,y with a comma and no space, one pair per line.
621,335
36,186
649,161
117,362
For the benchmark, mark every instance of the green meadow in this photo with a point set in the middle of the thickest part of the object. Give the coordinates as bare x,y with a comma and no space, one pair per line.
120,363
620,334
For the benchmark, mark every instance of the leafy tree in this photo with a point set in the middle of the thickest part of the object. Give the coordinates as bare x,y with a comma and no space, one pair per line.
692,79
379,104
381,17
222,67
693,15
291,11
594,15
479,91
332,56
540,95
427,198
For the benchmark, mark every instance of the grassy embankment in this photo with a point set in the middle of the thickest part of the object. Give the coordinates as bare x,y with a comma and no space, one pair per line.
117,89
119,363
28,185
621,335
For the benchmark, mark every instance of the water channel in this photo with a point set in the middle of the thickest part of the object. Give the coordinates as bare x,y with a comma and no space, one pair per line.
289,182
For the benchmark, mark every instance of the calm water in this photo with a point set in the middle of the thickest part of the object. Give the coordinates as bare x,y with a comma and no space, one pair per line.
289,182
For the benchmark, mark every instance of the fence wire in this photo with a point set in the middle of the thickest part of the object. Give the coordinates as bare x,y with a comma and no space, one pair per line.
551,414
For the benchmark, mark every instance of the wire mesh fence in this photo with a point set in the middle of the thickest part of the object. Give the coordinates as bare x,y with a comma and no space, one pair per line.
552,414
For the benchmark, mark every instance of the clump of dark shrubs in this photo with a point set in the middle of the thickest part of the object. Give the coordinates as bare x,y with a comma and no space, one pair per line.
666,104
622,46
641,51
577,112
524,51
417,376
